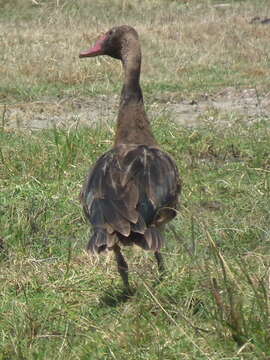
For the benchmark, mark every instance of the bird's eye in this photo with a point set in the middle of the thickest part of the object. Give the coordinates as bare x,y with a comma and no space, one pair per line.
111,32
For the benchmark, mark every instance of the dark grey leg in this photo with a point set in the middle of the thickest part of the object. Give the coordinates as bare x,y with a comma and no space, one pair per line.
122,266
160,261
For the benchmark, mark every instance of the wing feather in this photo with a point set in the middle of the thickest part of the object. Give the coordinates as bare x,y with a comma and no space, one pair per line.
154,238
128,191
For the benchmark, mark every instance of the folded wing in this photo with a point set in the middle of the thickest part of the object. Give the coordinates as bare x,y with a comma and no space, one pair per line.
131,190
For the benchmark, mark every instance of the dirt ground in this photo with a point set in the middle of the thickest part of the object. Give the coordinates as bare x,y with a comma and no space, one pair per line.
227,104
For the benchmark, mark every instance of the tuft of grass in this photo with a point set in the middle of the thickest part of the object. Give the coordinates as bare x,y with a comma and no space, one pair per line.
213,303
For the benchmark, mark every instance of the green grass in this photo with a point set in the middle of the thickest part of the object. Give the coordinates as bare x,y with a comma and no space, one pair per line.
57,303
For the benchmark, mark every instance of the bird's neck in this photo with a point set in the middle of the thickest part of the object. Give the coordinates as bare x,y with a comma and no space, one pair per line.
133,126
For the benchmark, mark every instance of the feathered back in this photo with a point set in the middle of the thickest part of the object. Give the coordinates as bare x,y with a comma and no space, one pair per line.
131,190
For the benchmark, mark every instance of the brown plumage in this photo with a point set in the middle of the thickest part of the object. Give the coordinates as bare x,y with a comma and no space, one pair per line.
133,189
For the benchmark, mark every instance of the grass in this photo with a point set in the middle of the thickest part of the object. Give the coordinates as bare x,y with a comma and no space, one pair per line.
55,301
188,47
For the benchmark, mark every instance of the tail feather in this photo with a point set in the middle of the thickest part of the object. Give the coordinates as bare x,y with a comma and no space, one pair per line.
154,238
140,226
100,241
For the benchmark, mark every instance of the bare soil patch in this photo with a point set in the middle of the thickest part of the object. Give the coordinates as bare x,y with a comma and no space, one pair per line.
247,104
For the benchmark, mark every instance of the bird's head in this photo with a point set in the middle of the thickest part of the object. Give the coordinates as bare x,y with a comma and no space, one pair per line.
113,43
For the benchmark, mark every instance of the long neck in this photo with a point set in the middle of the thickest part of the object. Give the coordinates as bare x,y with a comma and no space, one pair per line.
133,126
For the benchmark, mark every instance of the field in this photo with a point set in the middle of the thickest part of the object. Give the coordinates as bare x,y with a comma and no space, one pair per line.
205,78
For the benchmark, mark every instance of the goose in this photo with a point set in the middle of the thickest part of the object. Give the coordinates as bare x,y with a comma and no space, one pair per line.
132,190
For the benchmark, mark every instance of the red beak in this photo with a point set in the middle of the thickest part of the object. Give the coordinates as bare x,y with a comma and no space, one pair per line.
96,50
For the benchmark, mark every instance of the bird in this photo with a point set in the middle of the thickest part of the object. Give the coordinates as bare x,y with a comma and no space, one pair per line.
133,189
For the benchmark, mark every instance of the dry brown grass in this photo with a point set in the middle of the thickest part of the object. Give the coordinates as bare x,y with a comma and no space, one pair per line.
188,46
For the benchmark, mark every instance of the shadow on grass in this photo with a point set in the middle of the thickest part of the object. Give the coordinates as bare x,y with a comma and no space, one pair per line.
115,297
